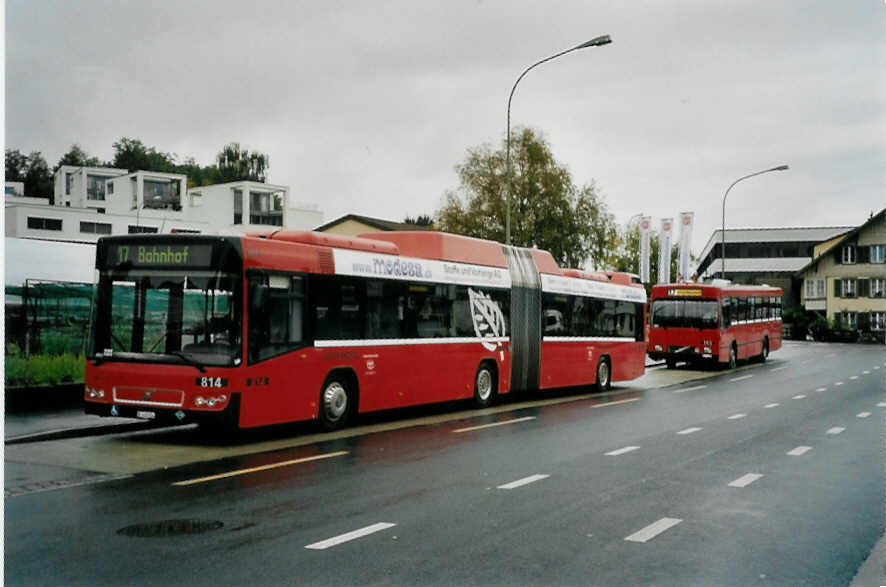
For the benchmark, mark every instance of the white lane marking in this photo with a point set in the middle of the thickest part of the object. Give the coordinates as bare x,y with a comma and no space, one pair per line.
876,367
653,530
494,424
865,372
854,377
798,396
737,416
695,388
881,405
740,378
336,540
835,430
828,356
745,480
523,481
615,403
621,451
800,450
780,368
863,415
838,383
821,389
771,405
690,430
260,468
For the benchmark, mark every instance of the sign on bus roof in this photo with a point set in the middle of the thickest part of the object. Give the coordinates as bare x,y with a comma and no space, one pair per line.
684,292
159,255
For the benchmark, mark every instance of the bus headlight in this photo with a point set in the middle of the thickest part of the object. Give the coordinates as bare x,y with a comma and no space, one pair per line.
658,347
199,401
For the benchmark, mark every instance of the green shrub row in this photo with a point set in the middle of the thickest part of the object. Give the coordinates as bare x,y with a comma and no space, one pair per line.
44,370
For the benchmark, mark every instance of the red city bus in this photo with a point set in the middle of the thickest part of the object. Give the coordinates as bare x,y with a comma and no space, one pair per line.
256,330
718,322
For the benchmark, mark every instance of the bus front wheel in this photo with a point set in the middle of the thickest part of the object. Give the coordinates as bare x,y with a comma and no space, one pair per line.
335,404
764,353
733,357
604,375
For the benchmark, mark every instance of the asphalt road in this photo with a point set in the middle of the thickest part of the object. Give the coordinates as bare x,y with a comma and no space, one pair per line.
768,475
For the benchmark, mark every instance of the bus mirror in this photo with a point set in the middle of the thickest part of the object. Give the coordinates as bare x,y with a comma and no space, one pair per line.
258,295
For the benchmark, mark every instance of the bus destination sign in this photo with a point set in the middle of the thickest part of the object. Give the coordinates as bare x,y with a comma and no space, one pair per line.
684,293
160,255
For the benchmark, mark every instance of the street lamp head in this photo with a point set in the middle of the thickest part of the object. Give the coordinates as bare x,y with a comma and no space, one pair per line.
596,42
780,168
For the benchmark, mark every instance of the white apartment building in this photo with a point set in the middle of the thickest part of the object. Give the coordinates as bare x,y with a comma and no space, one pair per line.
90,202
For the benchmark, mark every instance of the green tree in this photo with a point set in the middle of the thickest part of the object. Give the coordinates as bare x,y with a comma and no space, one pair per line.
420,220
77,156
16,165
236,164
38,177
547,210
133,155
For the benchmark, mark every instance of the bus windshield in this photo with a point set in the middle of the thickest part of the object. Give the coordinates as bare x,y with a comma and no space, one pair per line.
177,316
685,313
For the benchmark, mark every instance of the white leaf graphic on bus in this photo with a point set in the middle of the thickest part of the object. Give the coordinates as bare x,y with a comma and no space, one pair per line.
488,320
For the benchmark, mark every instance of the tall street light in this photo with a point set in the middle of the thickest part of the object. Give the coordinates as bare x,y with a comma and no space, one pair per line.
595,42
723,227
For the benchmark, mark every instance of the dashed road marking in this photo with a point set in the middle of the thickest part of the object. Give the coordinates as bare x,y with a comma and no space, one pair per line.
745,480
494,424
690,430
621,451
835,430
653,530
854,377
838,383
821,389
800,450
737,416
780,368
336,540
771,405
523,481
740,378
799,396
865,372
261,468
615,403
881,405
695,388
863,415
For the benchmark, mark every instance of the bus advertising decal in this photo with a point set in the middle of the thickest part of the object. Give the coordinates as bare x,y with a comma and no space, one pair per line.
586,287
362,264
489,322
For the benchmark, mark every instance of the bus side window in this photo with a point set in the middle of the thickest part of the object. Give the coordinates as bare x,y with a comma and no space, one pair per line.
276,315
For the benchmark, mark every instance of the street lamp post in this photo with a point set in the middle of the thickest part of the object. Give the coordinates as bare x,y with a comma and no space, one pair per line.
723,226
595,42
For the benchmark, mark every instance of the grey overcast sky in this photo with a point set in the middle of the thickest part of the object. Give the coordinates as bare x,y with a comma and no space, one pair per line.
367,107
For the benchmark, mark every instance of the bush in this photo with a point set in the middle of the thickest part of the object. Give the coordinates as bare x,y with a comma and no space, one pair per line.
44,369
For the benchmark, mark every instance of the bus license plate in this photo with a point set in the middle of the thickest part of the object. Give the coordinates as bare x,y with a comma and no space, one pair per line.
145,415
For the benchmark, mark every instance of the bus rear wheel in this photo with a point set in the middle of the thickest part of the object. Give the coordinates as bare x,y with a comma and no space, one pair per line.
604,375
733,357
485,384
764,353
335,404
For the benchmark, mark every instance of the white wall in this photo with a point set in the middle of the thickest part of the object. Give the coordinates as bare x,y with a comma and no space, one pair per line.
58,261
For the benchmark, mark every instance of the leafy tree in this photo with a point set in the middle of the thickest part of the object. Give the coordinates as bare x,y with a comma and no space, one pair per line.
38,177
133,155
235,164
77,156
16,165
547,210
420,220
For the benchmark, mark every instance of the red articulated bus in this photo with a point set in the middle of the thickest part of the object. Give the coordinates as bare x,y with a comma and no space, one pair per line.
718,322
254,330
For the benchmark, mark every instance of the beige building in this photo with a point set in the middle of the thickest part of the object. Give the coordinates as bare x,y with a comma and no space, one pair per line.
846,281
353,224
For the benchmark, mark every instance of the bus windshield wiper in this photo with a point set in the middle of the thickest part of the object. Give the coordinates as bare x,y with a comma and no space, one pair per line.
188,360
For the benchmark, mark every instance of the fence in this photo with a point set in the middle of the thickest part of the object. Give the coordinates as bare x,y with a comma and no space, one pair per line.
47,317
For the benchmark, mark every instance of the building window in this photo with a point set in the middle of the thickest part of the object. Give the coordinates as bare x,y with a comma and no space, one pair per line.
266,208
878,287
10,191
95,187
848,254
878,320
850,319
877,252
161,195
238,206
184,231
110,187
814,288
95,227
69,183
38,223
142,229
848,288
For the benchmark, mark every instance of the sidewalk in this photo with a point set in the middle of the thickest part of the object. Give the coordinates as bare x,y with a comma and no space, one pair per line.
63,423
873,572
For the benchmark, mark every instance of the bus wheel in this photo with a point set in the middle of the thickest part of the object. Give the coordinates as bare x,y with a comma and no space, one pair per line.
335,404
484,385
733,357
764,354
604,375
671,363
